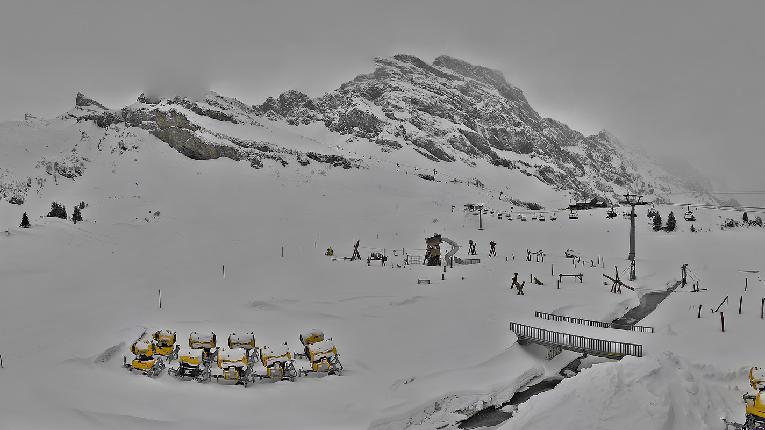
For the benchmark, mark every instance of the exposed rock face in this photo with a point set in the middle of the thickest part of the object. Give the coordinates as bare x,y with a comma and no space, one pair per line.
177,131
447,111
170,121
452,109
82,100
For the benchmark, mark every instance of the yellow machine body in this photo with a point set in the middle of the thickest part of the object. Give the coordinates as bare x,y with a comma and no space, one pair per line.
754,405
232,364
144,360
321,350
202,341
232,358
312,336
241,340
164,342
269,357
191,358
143,364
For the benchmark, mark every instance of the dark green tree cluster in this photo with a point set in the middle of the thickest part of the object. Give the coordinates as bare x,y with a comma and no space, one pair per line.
657,221
671,222
76,215
57,210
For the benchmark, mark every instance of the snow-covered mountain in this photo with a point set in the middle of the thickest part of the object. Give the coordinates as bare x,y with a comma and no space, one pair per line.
445,116
455,111
210,214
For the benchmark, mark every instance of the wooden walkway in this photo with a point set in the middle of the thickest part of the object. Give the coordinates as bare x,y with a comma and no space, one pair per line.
586,345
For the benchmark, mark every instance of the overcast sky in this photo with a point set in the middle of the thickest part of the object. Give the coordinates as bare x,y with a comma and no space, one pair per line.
683,77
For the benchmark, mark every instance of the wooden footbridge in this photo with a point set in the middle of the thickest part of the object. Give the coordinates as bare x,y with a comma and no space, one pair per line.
572,342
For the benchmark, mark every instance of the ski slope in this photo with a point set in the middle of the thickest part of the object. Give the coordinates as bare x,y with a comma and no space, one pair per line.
416,356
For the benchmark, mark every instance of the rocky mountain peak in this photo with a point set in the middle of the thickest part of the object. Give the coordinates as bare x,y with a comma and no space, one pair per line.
148,99
82,100
446,111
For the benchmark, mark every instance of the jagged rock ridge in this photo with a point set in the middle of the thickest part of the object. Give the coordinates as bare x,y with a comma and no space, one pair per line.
452,110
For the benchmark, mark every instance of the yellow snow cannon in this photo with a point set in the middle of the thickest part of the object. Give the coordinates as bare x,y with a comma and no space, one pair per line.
324,358
233,366
204,341
277,363
755,409
309,337
190,365
245,341
164,344
145,361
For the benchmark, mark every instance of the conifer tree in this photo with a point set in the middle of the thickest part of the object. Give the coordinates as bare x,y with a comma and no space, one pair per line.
25,221
745,218
76,215
671,222
657,222
57,210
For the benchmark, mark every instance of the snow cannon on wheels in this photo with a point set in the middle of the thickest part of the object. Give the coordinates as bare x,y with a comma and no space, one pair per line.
233,366
145,360
755,409
307,338
204,341
277,364
433,252
324,358
164,344
190,366
245,341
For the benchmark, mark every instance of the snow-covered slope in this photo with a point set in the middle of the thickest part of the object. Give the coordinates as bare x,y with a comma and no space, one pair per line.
177,189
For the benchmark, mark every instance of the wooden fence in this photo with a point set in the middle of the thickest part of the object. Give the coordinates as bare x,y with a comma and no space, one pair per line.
592,323
572,342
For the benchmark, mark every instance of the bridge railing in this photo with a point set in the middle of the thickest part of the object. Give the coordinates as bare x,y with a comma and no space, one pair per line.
575,342
592,323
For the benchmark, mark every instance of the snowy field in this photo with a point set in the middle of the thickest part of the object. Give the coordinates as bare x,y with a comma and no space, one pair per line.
416,356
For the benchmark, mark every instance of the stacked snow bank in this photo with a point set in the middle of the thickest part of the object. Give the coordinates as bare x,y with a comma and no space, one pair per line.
662,392
443,399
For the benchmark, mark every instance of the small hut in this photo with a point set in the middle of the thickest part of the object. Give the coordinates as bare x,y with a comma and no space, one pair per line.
433,252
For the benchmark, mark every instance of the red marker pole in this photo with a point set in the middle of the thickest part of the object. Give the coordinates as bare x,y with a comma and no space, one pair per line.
722,321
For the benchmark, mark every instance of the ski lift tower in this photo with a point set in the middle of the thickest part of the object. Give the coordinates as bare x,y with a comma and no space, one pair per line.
632,200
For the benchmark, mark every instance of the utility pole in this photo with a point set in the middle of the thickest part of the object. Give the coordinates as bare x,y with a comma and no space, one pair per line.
632,200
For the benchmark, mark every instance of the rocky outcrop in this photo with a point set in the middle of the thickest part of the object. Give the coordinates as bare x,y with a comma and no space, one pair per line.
451,110
82,100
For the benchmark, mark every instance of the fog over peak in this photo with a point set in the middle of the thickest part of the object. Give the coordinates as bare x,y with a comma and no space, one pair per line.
680,79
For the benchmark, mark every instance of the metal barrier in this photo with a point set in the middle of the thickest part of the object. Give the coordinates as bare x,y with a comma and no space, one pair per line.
591,323
572,342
